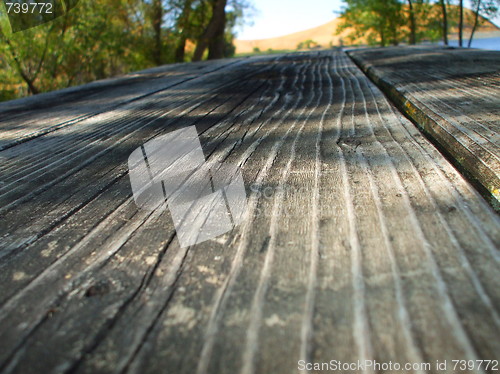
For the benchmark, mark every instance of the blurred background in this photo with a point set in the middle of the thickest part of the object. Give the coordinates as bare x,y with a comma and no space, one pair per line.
88,40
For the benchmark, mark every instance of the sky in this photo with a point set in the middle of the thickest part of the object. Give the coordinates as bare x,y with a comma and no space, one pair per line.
282,17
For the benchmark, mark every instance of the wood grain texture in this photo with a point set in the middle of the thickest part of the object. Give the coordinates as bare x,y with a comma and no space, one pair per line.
454,97
360,240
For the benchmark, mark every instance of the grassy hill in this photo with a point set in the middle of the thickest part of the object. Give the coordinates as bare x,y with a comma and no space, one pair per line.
325,37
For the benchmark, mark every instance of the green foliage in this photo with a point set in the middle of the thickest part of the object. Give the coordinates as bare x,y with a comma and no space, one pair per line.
307,44
103,38
485,8
378,21
385,22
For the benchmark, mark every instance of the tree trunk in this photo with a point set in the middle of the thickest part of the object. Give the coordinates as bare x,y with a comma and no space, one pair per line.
382,37
213,30
216,45
445,22
157,20
476,21
29,81
413,25
180,49
461,23
182,25
31,86
394,36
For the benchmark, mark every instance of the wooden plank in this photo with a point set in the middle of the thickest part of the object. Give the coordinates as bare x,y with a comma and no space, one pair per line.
453,96
360,240
58,109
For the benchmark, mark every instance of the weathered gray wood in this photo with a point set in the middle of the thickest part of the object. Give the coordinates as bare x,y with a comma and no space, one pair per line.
54,110
361,241
454,96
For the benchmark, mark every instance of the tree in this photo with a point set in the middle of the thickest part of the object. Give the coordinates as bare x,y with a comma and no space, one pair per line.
460,23
389,22
184,30
413,24
28,72
379,21
486,8
213,35
476,18
156,21
307,44
102,38
84,45
445,21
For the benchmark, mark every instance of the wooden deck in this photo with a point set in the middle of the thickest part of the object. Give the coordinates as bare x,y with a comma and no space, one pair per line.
360,241
453,95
